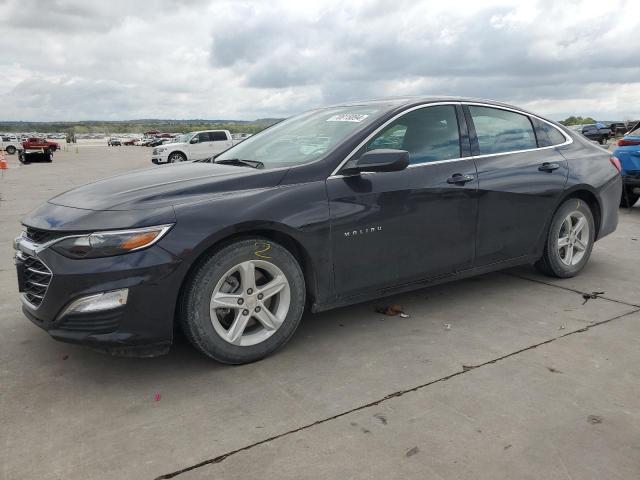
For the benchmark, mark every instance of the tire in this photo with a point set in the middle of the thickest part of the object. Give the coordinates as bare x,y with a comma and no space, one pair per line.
11,150
175,157
603,141
628,198
562,229
223,274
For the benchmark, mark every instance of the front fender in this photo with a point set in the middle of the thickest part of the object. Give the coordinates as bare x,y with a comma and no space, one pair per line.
299,212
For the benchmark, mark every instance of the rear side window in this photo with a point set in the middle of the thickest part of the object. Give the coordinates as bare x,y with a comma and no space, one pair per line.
217,136
547,134
428,134
500,131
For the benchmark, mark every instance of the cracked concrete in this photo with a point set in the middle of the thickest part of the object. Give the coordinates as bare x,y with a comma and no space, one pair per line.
389,397
536,425
68,412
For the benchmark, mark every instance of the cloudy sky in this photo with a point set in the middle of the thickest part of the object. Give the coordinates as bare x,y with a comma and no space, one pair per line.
124,59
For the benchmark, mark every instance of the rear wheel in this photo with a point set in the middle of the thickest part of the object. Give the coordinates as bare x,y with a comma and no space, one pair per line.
11,149
176,157
243,302
569,240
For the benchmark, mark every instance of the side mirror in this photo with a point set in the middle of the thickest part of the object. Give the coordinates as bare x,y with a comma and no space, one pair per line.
380,160
194,140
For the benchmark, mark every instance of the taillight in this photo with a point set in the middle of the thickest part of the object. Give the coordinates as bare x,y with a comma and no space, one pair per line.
616,163
627,142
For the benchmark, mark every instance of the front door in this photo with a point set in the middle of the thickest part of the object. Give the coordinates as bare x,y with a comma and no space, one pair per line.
392,228
201,148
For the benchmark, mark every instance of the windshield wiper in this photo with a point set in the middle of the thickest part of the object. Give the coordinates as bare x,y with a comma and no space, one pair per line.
240,162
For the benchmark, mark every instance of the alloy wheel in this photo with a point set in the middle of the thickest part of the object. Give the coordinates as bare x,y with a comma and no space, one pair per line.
573,238
250,302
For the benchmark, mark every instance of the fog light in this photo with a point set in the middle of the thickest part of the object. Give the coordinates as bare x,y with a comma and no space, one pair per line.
98,302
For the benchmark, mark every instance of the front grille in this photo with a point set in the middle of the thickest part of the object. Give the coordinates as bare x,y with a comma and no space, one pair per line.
43,236
36,279
155,151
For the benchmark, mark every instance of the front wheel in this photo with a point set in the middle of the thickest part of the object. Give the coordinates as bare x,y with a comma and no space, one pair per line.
176,157
243,302
569,240
11,149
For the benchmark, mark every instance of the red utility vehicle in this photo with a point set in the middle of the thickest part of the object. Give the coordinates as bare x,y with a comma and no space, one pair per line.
33,143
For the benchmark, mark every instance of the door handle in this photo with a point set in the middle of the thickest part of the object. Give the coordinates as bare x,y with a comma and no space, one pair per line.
548,167
459,178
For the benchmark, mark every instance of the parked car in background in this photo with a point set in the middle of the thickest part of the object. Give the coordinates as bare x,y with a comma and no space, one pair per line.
628,152
114,142
129,142
597,132
193,146
10,144
636,126
159,141
38,142
310,214
618,129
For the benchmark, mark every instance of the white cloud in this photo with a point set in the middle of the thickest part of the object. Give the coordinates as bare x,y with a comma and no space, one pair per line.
68,60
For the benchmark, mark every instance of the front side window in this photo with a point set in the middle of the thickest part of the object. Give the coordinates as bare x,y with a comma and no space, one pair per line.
203,137
428,134
501,131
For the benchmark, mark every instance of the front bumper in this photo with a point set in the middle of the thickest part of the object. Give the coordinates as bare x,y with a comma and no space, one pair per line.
142,327
157,159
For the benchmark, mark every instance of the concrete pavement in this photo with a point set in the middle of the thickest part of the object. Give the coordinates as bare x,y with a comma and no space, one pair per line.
68,412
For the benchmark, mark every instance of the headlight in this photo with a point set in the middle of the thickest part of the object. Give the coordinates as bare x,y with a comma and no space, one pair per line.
107,244
160,150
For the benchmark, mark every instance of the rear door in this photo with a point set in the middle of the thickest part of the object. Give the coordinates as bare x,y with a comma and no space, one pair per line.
519,181
219,142
392,228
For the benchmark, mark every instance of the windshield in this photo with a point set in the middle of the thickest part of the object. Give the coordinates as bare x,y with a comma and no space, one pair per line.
183,138
303,138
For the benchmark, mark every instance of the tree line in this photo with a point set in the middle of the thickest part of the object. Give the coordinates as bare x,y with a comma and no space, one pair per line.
138,126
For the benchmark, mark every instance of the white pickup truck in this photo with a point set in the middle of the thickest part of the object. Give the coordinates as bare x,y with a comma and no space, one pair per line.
10,144
193,146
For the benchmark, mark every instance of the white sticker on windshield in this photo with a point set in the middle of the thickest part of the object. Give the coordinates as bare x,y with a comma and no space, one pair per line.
348,117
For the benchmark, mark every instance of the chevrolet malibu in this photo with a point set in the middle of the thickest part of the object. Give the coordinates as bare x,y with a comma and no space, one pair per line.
327,208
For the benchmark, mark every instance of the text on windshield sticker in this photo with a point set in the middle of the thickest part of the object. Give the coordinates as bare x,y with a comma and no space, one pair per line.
347,117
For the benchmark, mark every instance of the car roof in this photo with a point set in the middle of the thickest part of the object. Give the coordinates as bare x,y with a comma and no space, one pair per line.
410,101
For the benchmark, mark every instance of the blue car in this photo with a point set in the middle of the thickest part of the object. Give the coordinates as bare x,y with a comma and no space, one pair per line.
628,152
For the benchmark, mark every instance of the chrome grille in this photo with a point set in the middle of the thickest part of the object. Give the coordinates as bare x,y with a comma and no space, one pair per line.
43,236
36,279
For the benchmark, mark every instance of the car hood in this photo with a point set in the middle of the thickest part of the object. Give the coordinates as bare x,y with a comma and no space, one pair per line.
173,145
166,186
